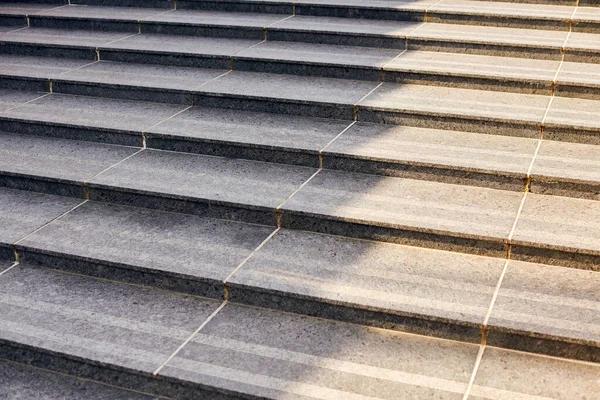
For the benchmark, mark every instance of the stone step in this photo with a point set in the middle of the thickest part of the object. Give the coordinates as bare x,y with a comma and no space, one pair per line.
406,211
190,347
577,46
464,12
60,166
410,289
426,106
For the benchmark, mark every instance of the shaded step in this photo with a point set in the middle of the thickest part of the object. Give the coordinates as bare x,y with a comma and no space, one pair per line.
172,251
21,213
54,166
19,381
207,186
465,158
119,330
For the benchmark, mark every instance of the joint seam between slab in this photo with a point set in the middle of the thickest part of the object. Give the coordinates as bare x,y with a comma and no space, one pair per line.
278,208
475,369
4,271
30,101
46,224
331,141
236,269
206,321
209,81
85,182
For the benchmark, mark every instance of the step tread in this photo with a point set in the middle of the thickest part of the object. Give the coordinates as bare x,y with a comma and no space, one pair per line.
560,222
419,146
256,20
220,180
521,10
62,37
570,161
574,112
550,302
21,381
583,41
37,67
23,212
396,202
480,65
584,73
115,13
62,160
11,98
587,14
18,8
138,328
199,250
95,112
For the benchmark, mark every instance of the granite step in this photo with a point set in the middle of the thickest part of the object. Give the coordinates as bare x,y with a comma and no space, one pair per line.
576,46
75,137
464,12
409,289
426,106
571,79
178,345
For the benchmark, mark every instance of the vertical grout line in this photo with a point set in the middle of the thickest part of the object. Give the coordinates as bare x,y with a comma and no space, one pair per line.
85,182
49,222
474,373
4,271
278,214
355,105
206,321
331,141
236,269
32,100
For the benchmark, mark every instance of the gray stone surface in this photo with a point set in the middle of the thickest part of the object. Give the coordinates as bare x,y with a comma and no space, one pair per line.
63,37
476,71
175,251
547,309
451,108
509,374
233,19
37,67
270,354
491,8
112,13
22,382
23,212
579,80
242,134
5,264
207,184
559,230
89,118
21,8
413,289
24,157
67,317
288,94
429,214
10,98
567,169
152,76
430,154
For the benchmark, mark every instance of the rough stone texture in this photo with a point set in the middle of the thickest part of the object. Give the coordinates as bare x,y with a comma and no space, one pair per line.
507,374
174,251
407,211
271,354
406,288
538,304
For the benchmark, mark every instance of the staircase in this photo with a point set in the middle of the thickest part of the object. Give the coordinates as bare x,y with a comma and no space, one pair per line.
330,199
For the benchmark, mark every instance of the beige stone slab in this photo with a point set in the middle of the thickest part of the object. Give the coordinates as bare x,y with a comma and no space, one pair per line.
490,8
576,113
506,374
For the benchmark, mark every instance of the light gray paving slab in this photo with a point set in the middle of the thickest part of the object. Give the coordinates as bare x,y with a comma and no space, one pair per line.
23,212
270,354
72,320
449,156
399,287
113,13
506,374
567,169
37,67
559,230
547,309
20,8
63,37
429,214
230,19
211,186
491,8
10,98
174,251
